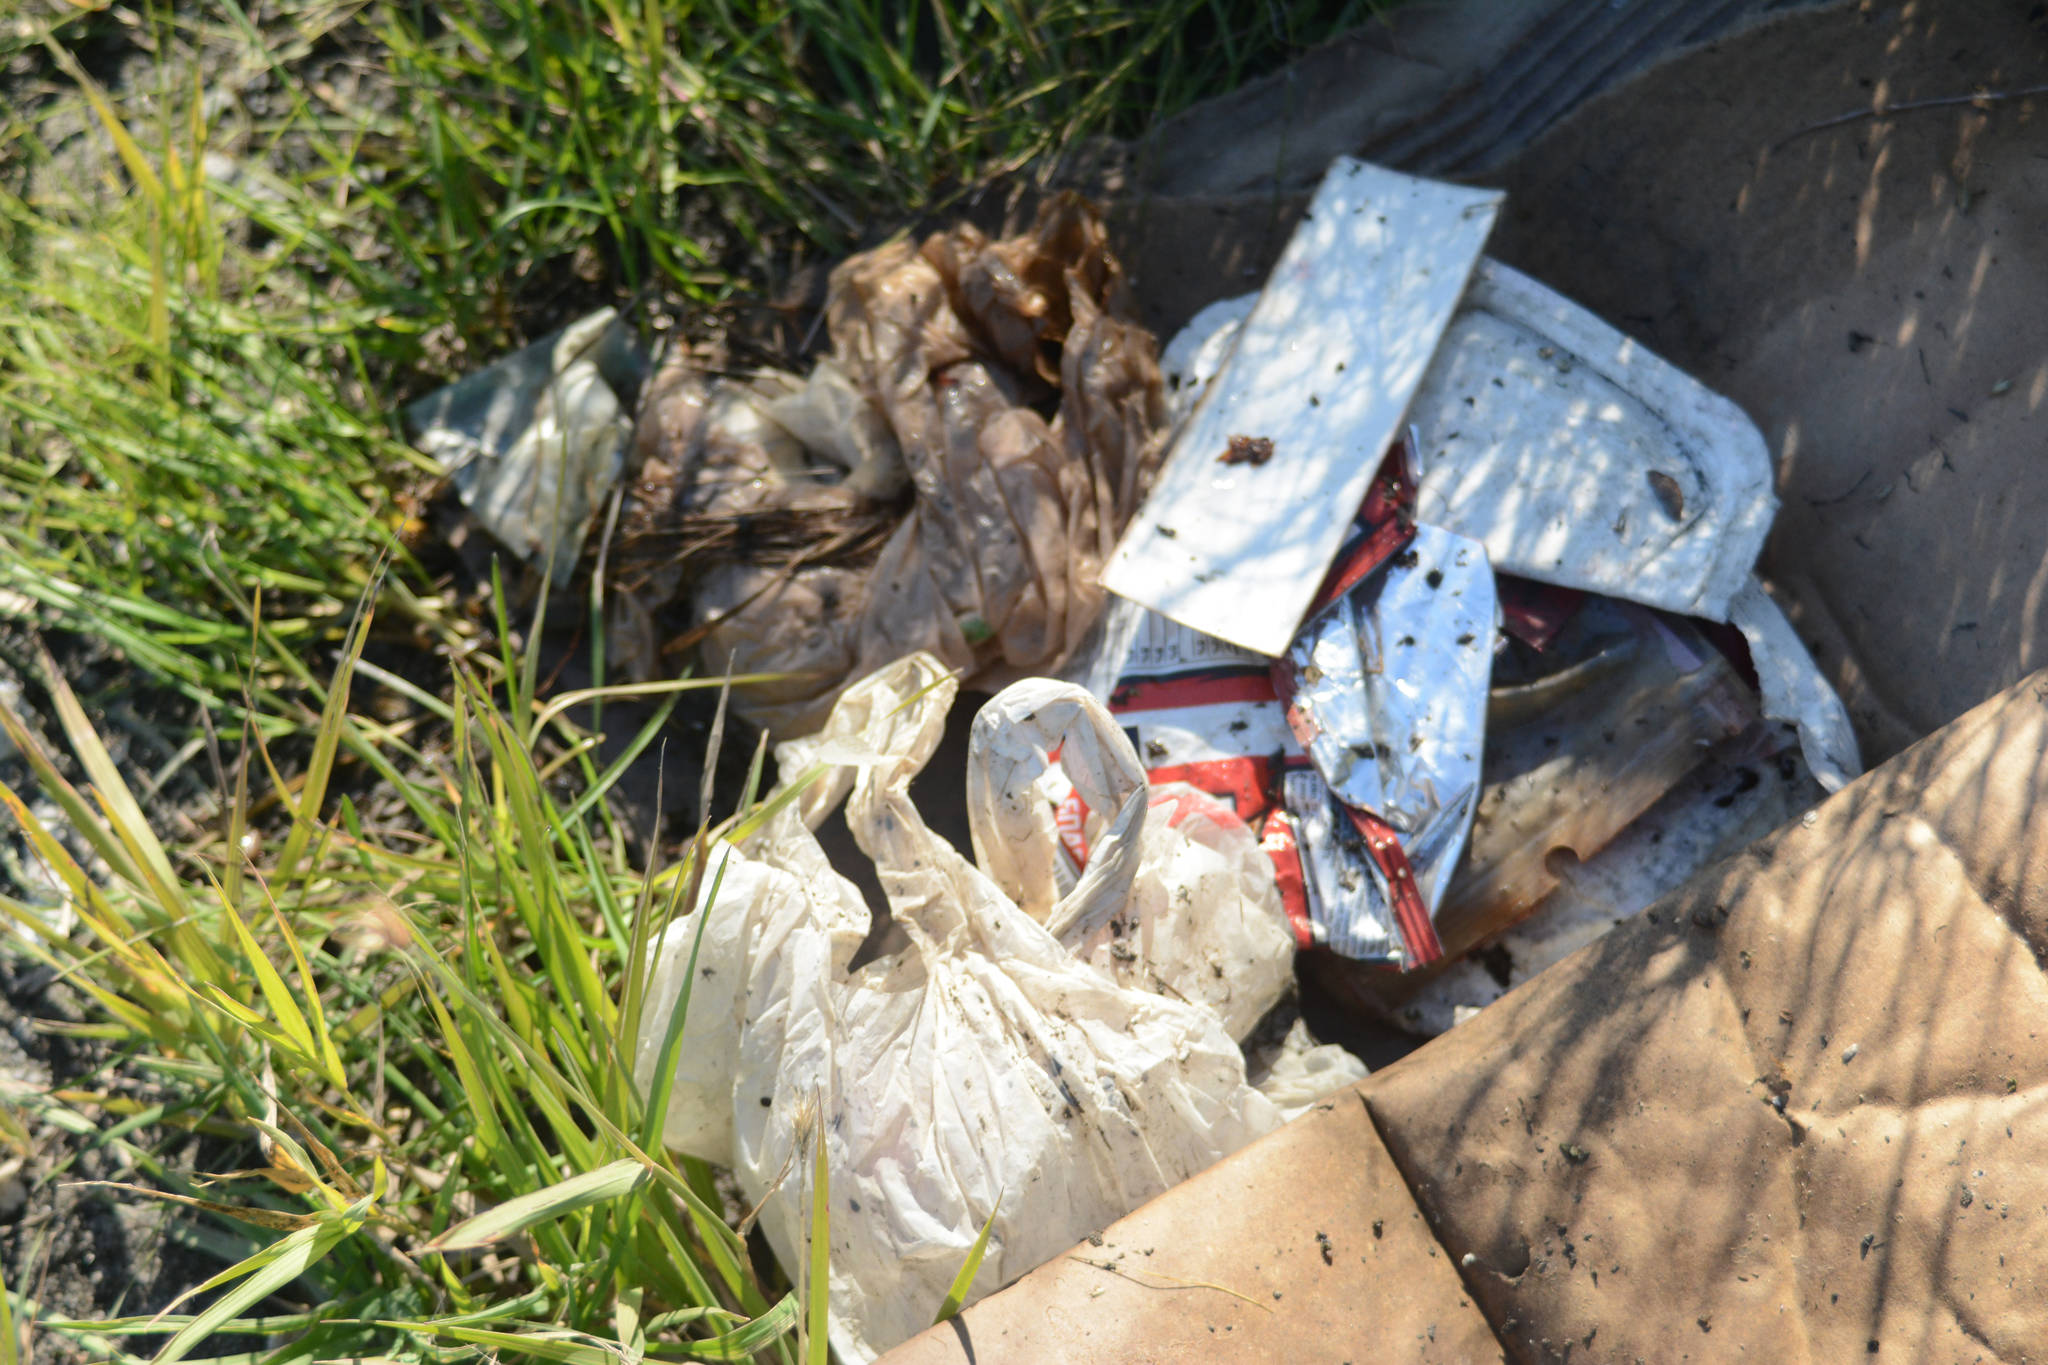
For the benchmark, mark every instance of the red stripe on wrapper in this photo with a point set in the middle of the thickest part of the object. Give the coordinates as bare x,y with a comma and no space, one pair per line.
1193,689
1411,916
1284,849
1242,782
1385,541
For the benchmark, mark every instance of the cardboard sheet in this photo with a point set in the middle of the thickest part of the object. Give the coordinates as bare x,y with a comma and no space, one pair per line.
1283,1254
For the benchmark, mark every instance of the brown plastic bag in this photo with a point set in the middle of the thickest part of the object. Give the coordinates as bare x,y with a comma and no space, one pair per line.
912,494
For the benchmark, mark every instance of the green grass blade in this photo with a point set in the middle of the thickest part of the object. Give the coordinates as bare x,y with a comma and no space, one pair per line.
964,1281
560,1348
672,1034
818,1282
326,1057
603,782
284,1009
726,1252
566,701
111,123
150,865
741,1343
483,1107
10,1343
260,1276
613,1181
326,740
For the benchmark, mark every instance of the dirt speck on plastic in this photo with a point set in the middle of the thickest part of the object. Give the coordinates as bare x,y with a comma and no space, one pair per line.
1251,450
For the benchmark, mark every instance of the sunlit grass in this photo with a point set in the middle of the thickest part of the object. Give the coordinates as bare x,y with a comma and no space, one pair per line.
221,278
423,1042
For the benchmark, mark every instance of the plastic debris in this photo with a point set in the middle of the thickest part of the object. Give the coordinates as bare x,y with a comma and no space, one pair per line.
1585,469
1794,690
1323,368
1298,1073
1376,695
534,443
1387,693
950,479
1045,1052
1580,459
1199,921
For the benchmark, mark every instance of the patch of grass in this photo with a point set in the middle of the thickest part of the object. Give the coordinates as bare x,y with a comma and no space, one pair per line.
422,1033
237,236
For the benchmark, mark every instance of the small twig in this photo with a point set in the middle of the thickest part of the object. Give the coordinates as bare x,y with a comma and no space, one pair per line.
1173,1281
804,347
1911,106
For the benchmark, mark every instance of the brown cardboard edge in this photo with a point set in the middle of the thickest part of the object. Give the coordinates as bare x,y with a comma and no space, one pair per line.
1306,1245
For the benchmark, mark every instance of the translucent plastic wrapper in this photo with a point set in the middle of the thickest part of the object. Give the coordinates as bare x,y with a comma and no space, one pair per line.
1050,1052
950,480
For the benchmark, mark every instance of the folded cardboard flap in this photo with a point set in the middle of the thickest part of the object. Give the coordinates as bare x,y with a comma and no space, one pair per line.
1794,1112
1791,1111
1307,1246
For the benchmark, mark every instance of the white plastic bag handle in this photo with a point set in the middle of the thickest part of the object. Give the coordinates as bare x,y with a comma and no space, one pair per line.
1015,839
892,718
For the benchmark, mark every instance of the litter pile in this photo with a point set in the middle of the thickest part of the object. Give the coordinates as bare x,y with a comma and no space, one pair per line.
1436,627
1427,672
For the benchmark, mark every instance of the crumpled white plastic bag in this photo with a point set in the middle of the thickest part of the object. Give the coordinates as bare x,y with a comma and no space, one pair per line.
987,1066
1199,918
533,443
1298,1073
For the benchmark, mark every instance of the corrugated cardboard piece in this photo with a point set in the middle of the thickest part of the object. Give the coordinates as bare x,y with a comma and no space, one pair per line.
1287,1256
1797,1112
